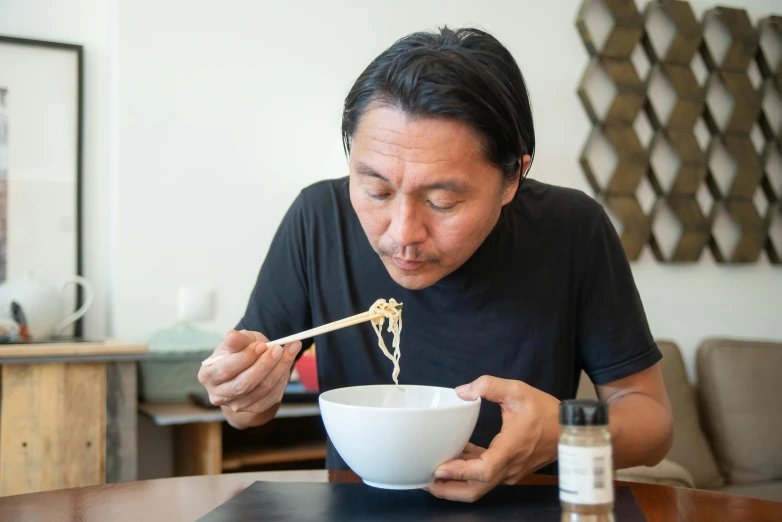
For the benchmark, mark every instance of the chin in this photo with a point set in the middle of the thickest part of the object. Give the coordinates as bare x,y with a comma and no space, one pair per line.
414,280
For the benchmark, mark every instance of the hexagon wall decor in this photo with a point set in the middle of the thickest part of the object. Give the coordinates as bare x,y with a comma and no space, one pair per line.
685,153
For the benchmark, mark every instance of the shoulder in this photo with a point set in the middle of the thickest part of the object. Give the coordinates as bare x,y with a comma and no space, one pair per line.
326,192
548,207
323,199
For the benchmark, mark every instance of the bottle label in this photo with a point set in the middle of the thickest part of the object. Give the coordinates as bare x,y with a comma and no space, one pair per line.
585,474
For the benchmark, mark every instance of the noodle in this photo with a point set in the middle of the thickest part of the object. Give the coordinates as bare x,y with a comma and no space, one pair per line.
393,311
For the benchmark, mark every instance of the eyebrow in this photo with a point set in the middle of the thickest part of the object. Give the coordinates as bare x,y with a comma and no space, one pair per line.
452,186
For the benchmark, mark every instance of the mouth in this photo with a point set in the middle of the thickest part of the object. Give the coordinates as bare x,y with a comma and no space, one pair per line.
407,265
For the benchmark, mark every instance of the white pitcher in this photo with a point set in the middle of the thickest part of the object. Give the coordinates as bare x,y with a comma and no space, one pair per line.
42,304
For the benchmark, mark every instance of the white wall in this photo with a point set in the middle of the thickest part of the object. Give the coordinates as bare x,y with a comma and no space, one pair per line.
222,111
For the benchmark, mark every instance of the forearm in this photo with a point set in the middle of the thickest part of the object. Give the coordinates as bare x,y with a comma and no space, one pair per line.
243,420
641,430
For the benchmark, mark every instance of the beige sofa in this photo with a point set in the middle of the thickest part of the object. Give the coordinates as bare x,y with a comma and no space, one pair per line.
728,427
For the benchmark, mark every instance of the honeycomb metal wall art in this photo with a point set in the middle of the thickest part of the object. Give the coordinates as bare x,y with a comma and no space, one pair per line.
685,152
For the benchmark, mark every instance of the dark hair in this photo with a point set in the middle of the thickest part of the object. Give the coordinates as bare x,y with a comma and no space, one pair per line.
463,73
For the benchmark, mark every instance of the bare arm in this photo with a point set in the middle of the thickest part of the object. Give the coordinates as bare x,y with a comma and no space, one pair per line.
640,418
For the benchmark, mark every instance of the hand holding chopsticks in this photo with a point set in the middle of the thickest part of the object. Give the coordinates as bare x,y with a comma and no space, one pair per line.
252,380
330,327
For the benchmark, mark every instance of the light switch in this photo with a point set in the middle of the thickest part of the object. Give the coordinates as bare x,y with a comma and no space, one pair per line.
196,302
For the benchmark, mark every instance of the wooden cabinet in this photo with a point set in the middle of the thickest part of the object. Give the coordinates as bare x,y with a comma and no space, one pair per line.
67,415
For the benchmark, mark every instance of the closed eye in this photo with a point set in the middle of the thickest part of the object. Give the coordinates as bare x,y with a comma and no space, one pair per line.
442,209
379,197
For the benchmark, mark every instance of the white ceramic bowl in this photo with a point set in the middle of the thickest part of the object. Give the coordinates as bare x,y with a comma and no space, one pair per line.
395,439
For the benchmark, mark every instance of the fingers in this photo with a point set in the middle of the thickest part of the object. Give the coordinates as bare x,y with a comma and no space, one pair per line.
449,485
476,469
502,391
239,350
512,453
473,475
248,379
260,340
459,491
229,367
237,341
257,341
268,393
471,451
486,466
261,398
259,379
465,455
282,370
512,480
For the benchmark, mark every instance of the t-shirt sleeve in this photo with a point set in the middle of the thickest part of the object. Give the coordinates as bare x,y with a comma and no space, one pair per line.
613,336
279,303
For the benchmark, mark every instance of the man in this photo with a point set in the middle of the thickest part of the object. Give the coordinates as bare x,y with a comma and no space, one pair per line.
510,288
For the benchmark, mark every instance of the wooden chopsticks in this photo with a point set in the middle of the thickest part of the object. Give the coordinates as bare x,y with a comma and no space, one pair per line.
330,327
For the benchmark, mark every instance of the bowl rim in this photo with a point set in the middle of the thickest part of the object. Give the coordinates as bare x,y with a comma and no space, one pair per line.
323,397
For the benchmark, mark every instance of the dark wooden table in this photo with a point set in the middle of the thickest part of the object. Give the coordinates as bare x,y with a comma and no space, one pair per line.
189,498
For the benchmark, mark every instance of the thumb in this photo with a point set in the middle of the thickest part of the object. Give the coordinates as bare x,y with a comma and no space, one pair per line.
237,341
494,389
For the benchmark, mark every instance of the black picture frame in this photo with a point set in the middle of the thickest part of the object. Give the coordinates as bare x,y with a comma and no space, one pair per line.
78,50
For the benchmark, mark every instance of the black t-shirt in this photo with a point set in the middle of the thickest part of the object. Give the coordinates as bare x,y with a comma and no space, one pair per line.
549,293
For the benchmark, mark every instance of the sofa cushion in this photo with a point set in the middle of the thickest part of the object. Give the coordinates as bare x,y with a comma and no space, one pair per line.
765,490
740,386
690,447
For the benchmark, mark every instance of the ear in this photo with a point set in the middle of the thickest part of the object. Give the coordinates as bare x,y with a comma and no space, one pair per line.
510,190
525,162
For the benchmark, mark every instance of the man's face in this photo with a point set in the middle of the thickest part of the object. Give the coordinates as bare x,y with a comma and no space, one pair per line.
424,193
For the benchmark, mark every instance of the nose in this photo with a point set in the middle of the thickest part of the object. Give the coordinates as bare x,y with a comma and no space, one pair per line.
406,228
